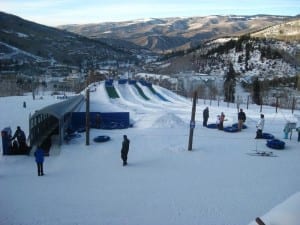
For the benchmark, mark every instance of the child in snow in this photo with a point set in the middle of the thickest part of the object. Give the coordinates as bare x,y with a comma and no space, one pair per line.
287,129
222,118
260,126
39,159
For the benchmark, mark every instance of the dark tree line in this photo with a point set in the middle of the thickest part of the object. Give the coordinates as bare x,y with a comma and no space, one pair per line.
229,84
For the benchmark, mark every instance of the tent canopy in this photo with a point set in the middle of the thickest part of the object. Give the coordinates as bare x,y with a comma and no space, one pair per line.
53,118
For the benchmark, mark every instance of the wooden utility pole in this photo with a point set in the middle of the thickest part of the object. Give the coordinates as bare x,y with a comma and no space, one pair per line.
192,123
277,103
293,104
87,117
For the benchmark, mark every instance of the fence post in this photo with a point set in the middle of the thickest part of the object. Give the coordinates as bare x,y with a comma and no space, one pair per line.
248,101
293,105
276,104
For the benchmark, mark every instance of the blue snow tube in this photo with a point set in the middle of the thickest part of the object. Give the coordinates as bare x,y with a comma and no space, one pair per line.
102,138
231,129
267,136
236,125
275,144
212,125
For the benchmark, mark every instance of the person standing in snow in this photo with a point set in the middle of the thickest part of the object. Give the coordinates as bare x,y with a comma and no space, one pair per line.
125,149
298,130
241,119
39,159
205,116
287,130
260,126
222,118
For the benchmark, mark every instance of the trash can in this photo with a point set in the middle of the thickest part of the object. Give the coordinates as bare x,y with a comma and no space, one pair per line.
6,143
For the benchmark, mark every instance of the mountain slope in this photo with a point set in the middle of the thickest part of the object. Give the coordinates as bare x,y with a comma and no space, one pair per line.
55,44
175,33
289,31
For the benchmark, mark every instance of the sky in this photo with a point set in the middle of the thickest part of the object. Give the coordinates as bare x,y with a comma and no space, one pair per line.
216,183
60,12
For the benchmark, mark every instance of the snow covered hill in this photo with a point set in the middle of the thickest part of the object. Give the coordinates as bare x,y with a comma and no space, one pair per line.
216,183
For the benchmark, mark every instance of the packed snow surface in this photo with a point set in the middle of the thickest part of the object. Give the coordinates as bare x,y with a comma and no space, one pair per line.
217,183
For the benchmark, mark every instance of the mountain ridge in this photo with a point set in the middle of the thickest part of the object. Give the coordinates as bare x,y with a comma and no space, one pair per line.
158,34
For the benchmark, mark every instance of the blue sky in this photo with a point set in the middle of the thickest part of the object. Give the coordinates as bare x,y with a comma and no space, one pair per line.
58,12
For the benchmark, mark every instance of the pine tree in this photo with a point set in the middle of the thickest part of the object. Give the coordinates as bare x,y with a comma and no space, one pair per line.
229,84
256,92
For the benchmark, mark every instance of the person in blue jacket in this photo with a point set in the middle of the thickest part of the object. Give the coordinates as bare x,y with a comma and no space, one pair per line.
39,159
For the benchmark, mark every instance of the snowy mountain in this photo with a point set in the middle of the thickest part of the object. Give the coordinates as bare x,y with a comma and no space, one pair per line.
52,45
169,34
275,63
216,183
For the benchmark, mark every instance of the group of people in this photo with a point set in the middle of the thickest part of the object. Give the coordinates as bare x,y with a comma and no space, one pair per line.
221,119
241,121
19,145
40,152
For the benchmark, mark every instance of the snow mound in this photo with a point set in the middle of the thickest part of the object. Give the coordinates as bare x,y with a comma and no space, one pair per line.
168,120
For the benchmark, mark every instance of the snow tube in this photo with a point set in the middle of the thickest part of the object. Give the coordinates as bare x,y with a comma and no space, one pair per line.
231,129
102,138
236,125
275,144
212,125
267,136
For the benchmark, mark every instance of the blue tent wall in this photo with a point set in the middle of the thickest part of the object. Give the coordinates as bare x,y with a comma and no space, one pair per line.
110,120
122,81
132,81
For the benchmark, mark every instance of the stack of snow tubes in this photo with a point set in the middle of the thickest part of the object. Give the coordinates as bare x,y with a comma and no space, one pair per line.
231,129
102,138
212,125
275,144
236,125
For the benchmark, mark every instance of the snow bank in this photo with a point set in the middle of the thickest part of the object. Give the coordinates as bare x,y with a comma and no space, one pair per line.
169,120
286,213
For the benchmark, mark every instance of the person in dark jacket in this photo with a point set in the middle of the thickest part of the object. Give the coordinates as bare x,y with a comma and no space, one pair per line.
221,122
21,138
241,119
205,116
39,159
125,149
